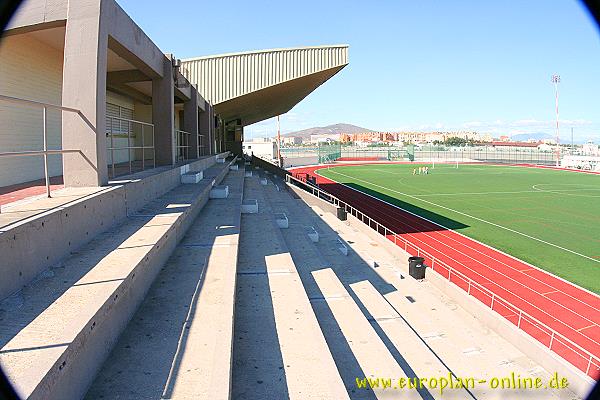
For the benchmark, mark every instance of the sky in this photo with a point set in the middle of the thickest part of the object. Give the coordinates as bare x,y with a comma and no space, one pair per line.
424,65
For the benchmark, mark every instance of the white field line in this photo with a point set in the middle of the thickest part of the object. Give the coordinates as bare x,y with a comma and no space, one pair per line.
315,170
495,284
477,193
472,217
452,173
500,262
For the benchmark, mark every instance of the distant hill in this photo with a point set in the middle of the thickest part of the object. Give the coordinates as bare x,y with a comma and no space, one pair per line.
330,129
523,137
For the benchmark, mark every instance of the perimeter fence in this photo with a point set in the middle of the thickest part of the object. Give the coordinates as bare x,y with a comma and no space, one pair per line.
336,152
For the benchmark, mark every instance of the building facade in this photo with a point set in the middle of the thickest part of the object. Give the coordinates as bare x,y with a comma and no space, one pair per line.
112,103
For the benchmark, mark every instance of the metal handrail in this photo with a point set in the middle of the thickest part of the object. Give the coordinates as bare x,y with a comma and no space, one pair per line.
201,144
494,298
44,152
182,141
129,147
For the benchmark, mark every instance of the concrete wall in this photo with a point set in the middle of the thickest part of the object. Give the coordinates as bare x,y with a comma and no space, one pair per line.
32,13
43,240
29,69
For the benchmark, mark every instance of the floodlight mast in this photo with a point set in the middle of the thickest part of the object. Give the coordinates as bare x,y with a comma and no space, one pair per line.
279,163
556,81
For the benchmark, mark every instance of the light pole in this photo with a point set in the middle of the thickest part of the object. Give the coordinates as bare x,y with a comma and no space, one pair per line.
556,81
279,163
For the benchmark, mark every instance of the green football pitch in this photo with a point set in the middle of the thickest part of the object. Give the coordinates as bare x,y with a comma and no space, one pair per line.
548,218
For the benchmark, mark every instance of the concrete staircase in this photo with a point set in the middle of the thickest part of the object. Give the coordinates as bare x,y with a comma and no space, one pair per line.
279,349
192,298
57,330
179,342
379,322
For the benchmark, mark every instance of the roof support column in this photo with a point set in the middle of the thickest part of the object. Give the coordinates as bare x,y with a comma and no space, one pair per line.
190,122
206,122
84,88
163,115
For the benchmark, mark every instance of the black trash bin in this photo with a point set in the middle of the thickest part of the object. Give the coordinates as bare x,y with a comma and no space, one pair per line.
341,214
416,267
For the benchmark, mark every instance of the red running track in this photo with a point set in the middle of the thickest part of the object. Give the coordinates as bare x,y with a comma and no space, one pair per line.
560,305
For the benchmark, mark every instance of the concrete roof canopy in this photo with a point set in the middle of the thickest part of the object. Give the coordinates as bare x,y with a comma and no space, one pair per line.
257,85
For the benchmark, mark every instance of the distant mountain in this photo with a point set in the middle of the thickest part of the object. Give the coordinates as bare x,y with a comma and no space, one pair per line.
330,129
523,137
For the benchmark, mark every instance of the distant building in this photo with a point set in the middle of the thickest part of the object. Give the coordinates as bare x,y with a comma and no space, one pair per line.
292,140
327,137
590,149
262,148
514,144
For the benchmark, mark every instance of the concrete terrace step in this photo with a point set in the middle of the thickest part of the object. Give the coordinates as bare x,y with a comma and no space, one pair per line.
40,232
310,370
413,349
55,332
371,353
450,332
280,351
178,345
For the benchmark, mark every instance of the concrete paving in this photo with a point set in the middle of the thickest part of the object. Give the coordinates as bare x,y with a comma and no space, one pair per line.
37,204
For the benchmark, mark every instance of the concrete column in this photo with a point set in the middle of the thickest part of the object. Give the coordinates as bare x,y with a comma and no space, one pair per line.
205,123
84,88
212,130
190,121
163,115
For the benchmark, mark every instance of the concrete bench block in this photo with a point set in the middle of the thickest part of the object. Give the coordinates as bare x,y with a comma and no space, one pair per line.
282,220
342,247
248,174
313,235
219,192
263,181
250,206
234,167
192,177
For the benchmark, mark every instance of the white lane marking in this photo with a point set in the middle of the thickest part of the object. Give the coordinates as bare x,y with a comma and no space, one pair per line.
489,282
472,217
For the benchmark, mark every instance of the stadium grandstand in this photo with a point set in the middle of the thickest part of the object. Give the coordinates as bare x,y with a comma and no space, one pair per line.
143,255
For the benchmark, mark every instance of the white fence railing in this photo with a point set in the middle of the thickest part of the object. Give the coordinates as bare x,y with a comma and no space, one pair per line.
555,341
182,144
121,128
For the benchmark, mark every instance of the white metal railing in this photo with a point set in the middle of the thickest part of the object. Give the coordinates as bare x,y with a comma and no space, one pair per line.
182,144
44,152
130,124
523,320
201,144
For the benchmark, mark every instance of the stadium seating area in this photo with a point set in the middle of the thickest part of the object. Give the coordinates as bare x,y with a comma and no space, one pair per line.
199,296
